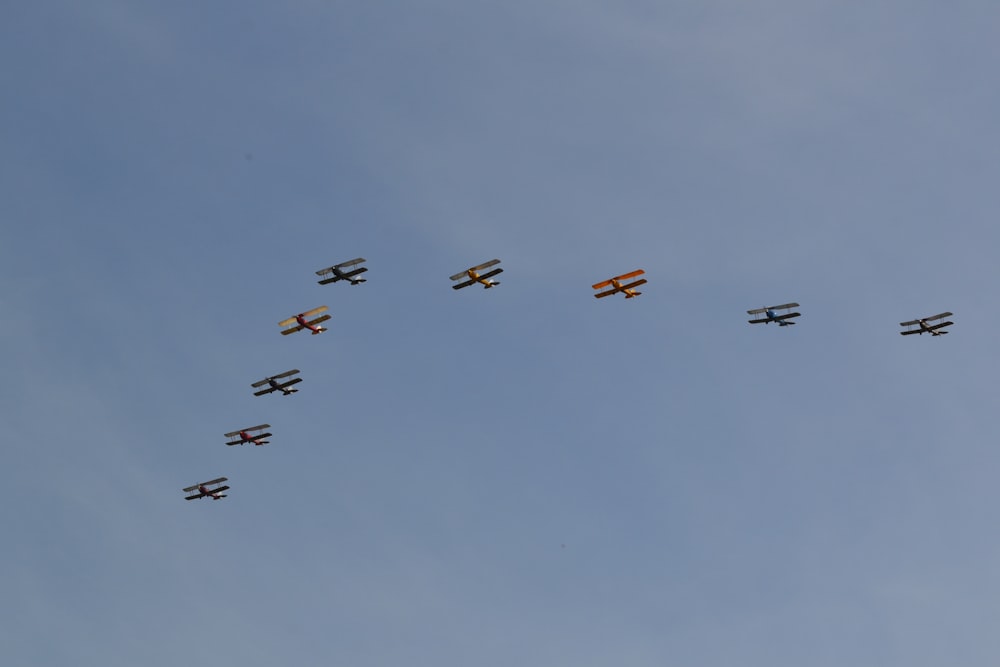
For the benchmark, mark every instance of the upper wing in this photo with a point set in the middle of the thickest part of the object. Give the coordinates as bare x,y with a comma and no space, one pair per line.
909,324
357,260
485,265
633,274
603,283
309,313
785,305
937,317
757,311
285,323
284,375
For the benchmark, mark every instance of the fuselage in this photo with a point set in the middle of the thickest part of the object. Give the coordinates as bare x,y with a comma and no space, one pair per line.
485,282
303,322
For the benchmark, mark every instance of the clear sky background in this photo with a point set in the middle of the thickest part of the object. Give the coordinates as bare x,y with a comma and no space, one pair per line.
525,475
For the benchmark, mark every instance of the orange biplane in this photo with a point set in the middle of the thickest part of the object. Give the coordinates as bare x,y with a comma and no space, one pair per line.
618,284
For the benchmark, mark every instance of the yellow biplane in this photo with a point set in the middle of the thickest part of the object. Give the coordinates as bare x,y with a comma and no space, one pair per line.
618,284
473,276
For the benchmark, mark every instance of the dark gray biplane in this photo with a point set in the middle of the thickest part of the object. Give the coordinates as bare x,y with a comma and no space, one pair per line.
274,384
343,271
204,491
923,327
771,314
245,435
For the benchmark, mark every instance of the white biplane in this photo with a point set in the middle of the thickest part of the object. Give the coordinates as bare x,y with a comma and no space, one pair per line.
473,276
923,327
338,272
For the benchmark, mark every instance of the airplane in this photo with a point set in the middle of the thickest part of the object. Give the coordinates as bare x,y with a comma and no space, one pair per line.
274,385
474,276
205,492
771,316
243,436
617,286
301,322
932,329
338,274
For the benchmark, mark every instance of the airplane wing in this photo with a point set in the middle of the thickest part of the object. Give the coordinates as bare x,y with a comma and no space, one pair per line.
285,323
490,274
265,391
351,274
485,265
785,305
285,374
757,311
312,312
909,324
284,385
285,332
601,295
319,319
911,331
465,284
260,383
329,280
195,496
256,428
940,326
786,316
633,274
760,321
937,317
603,283
350,263
635,284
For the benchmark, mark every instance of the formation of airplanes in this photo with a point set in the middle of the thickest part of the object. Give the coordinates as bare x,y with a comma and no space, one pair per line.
348,271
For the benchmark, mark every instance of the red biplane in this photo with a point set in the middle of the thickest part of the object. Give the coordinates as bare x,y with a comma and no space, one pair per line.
302,321
617,285
205,492
245,435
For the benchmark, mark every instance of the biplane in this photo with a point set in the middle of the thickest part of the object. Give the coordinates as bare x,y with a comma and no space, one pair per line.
618,284
302,321
337,272
473,275
245,435
273,384
204,490
771,314
923,326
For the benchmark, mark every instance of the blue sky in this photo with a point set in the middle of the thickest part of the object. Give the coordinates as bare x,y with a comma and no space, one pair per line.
525,475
